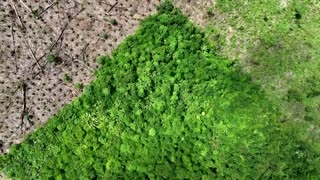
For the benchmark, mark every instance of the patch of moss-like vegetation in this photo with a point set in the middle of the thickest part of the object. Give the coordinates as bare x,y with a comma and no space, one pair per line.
164,106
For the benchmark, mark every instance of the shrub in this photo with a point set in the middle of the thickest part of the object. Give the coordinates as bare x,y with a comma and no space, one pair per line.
67,78
51,58
114,22
79,86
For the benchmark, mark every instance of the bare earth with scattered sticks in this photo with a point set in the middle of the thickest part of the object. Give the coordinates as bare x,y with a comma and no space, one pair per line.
48,51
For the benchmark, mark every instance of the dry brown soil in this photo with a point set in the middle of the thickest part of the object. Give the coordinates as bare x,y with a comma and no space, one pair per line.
197,10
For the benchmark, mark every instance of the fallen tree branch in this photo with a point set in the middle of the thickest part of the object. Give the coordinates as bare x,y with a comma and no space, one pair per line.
47,8
112,6
59,37
54,44
8,106
17,14
71,87
59,49
32,53
13,52
10,101
84,64
24,110
26,6
83,51
108,4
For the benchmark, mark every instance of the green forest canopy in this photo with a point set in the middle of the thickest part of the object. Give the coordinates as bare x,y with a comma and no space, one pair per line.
164,106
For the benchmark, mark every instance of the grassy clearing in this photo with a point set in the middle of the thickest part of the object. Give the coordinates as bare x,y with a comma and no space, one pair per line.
278,43
164,106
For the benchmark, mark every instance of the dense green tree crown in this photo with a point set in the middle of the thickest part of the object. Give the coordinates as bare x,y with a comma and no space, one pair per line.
164,106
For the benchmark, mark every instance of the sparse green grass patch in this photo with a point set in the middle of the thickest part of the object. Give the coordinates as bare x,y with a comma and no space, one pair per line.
277,42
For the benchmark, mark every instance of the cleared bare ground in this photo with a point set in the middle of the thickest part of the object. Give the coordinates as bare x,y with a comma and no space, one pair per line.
75,33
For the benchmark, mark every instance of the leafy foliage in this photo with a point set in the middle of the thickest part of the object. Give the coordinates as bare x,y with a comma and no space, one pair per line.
67,78
51,58
114,22
79,86
104,35
164,106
